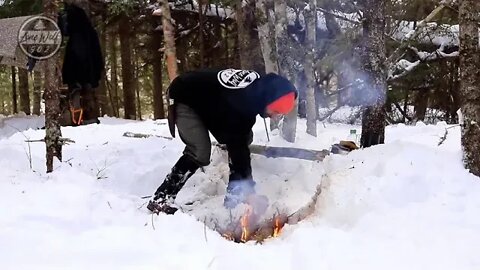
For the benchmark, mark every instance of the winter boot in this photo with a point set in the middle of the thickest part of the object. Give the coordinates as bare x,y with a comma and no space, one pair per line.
238,191
164,197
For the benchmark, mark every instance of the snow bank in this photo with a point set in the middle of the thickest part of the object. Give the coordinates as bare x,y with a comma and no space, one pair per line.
408,204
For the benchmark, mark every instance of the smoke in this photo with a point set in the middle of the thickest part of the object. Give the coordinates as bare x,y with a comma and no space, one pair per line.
358,88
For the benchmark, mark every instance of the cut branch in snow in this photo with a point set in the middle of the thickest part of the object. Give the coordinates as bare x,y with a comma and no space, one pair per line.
62,141
443,138
143,136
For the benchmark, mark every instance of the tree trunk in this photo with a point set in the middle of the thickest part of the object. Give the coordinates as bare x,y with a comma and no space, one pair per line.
469,78
266,33
201,36
421,104
23,91
311,22
14,90
101,92
53,132
37,92
169,36
136,83
127,68
249,42
158,104
374,60
114,97
286,63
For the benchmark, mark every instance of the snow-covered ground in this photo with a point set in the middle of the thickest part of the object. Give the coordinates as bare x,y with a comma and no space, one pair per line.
408,204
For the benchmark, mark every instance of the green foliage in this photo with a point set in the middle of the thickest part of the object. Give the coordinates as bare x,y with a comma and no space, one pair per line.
5,90
128,7
15,8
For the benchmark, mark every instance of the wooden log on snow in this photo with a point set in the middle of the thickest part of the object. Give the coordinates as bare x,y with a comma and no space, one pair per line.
267,151
284,152
289,152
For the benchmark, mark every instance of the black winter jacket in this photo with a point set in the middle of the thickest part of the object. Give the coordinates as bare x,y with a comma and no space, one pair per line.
228,102
83,63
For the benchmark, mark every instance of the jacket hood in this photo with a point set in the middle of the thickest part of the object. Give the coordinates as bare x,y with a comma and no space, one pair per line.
254,99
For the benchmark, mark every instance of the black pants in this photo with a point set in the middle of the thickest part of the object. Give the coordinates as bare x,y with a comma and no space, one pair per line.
194,135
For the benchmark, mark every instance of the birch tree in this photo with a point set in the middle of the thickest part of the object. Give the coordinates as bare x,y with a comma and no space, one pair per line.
311,22
469,83
285,64
374,67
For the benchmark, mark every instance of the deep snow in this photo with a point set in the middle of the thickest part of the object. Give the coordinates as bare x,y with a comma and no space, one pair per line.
408,204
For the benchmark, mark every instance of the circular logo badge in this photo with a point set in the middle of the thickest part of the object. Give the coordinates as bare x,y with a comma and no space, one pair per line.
39,37
237,79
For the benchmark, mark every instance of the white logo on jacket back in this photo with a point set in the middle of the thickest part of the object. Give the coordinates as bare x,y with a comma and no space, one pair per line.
237,79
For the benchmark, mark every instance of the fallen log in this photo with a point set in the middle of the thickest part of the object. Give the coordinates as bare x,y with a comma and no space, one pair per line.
285,152
289,152
267,151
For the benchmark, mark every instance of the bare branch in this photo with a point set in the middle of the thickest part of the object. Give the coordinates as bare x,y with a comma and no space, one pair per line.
337,16
397,54
443,138
143,136
329,113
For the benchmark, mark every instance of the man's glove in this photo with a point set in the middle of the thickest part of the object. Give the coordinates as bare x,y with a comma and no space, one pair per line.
238,192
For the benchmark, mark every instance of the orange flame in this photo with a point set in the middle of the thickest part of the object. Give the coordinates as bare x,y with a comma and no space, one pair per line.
229,236
244,222
277,228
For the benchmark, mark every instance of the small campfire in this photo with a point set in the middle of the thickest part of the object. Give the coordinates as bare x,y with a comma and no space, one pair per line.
250,228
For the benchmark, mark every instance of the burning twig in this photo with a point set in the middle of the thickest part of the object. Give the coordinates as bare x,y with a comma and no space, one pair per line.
248,228
244,222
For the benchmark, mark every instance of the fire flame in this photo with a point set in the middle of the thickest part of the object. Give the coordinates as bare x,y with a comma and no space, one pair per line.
244,221
229,236
277,228
251,227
